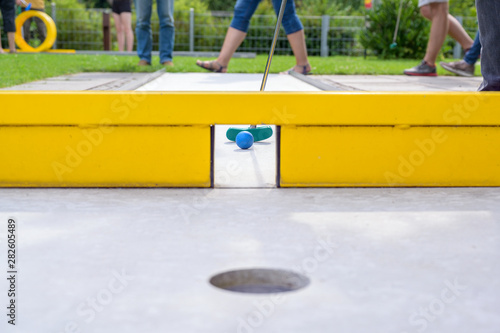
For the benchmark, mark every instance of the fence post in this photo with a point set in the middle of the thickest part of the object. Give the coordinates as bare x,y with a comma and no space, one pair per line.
106,30
457,49
191,29
325,28
53,15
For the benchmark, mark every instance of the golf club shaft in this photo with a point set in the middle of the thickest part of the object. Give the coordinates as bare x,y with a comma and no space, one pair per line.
275,38
397,22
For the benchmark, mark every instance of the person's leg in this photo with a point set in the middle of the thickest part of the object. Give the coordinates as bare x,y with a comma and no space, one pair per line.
119,31
8,10
488,12
167,30
454,28
475,51
439,28
295,34
437,13
1,47
236,33
143,31
126,19
232,41
26,30
3,15
465,67
298,43
11,37
42,29
458,33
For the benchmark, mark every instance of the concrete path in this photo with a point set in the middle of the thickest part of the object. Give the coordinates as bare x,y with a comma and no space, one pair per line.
237,82
401,82
139,260
89,81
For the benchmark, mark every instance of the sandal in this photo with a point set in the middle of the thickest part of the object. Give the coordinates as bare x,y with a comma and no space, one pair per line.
209,66
304,70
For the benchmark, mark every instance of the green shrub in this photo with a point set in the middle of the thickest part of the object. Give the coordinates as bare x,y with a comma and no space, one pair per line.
413,32
220,5
77,27
322,7
463,8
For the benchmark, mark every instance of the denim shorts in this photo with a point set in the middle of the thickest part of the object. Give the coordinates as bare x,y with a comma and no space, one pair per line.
121,6
244,9
8,9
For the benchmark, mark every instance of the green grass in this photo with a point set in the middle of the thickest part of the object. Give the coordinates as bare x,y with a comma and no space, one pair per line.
22,68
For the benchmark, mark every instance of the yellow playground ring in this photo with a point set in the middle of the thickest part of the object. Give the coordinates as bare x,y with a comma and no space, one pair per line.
51,31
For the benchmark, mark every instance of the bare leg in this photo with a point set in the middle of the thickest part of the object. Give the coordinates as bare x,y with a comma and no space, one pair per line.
233,40
1,47
439,29
126,19
11,36
298,43
119,31
458,33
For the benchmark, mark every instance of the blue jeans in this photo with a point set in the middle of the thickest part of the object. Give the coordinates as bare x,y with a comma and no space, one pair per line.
244,9
488,13
475,51
144,33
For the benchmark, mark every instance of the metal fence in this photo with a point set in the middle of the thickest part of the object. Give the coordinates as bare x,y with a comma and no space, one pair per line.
194,32
204,32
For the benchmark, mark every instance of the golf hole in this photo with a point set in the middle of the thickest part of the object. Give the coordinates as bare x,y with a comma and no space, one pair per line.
259,281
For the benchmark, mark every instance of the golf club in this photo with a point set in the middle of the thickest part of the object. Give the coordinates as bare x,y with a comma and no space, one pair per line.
394,44
262,132
273,45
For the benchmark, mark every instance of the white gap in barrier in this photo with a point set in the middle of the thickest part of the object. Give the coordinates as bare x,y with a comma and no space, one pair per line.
252,167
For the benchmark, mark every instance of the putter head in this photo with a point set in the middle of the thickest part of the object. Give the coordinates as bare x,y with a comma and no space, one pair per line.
393,45
259,133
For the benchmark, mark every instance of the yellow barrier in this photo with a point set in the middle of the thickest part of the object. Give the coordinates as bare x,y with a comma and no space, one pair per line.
278,108
66,51
105,156
368,156
49,24
327,139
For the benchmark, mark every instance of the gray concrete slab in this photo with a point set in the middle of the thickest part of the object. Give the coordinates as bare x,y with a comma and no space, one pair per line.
379,260
401,82
85,81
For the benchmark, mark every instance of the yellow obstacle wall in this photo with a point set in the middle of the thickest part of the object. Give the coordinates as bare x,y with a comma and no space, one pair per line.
390,156
327,138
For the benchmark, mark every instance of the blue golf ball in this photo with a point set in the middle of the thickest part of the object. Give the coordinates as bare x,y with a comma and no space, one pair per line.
244,140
